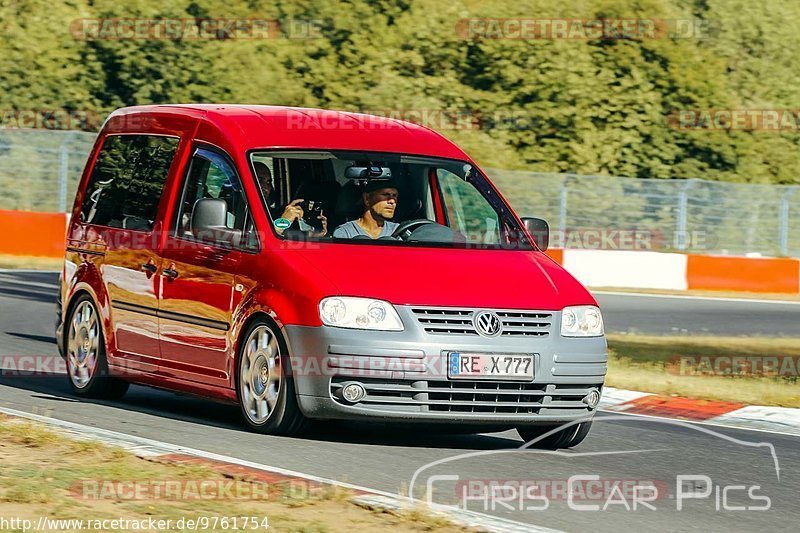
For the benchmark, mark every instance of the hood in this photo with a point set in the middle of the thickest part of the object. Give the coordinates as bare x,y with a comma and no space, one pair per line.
498,279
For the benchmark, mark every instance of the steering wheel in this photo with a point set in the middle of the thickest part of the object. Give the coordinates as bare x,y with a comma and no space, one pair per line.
405,229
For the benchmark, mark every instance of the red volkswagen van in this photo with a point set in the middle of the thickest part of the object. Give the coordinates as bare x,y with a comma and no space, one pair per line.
312,264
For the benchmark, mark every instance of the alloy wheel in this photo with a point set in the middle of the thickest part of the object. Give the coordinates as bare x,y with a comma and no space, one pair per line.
83,343
260,374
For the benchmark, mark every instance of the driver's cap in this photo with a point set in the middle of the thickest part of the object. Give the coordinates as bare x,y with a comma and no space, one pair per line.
378,184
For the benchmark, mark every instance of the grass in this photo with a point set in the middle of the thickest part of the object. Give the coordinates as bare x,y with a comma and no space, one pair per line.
652,364
26,434
41,474
30,262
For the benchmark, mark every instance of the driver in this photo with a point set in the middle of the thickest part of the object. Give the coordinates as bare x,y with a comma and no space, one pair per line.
380,202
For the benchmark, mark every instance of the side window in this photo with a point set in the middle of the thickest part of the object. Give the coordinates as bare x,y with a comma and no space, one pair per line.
211,176
467,210
127,181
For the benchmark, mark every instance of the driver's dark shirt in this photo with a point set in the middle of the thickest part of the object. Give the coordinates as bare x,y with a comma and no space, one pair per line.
350,230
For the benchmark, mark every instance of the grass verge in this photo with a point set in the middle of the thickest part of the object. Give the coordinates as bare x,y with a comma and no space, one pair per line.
710,368
43,474
30,262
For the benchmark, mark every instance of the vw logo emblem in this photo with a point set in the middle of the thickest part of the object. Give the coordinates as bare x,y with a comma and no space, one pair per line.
488,324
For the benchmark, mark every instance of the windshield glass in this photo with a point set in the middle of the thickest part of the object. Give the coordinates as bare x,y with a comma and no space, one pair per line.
380,198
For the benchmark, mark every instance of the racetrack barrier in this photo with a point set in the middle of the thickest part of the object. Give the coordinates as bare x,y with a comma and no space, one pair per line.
672,271
752,274
36,234
29,233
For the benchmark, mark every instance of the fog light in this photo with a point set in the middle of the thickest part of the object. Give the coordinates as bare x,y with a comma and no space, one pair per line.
592,399
353,392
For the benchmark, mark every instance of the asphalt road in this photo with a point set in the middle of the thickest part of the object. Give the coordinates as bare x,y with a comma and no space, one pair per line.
630,450
627,313
679,315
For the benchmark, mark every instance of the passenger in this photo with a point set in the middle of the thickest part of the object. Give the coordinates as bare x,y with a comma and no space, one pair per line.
292,214
380,202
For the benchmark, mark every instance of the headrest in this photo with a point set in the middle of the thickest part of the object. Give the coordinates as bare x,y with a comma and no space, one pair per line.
325,191
349,204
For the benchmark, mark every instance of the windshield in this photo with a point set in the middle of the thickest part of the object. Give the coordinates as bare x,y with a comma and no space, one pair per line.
380,198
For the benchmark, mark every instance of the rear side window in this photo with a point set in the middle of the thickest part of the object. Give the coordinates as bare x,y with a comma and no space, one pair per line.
127,181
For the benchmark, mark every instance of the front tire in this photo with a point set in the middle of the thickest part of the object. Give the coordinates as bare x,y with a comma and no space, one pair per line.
564,438
87,366
264,387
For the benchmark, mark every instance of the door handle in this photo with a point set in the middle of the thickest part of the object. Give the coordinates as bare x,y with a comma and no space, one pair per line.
149,268
170,273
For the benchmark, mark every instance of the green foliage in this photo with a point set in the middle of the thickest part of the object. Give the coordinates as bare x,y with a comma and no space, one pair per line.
584,106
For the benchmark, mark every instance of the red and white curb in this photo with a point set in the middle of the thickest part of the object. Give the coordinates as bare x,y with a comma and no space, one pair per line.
774,419
234,467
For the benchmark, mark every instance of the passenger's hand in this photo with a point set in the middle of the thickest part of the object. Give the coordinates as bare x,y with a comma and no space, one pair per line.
324,231
324,220
293,211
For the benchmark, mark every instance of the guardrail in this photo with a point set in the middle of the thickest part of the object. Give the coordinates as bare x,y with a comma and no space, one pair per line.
33,234
673,271
43,235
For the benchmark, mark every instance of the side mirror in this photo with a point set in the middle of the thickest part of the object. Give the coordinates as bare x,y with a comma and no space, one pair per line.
539,230
209,223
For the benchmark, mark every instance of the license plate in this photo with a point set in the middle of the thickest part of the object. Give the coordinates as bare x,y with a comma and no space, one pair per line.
517,367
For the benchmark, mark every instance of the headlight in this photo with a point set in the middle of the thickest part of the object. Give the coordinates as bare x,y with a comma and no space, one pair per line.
359,313
581,321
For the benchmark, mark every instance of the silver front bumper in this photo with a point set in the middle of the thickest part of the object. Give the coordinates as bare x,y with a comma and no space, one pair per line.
405,374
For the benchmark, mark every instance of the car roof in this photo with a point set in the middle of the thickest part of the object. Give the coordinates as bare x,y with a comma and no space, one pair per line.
263,126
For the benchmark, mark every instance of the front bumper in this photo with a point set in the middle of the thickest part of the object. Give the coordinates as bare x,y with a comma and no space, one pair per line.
405,375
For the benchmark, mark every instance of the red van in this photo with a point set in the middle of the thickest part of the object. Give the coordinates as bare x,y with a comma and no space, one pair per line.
312,264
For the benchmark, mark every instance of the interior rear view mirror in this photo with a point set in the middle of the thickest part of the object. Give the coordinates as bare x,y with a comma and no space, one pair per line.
367,172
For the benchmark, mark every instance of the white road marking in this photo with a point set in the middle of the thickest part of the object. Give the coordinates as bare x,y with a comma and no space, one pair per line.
13,282
28,271
709,422
153,448
692,297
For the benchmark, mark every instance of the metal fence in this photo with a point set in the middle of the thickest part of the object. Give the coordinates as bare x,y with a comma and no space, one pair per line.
675,215
40,169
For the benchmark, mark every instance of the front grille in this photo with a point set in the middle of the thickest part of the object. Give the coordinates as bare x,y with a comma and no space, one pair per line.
468,396
451,321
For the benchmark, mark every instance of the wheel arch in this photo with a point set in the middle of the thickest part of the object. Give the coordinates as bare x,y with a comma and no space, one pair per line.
243,326
79,291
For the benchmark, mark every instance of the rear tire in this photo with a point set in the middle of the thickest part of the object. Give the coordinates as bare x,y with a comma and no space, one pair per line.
85,351
264,387
564,438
